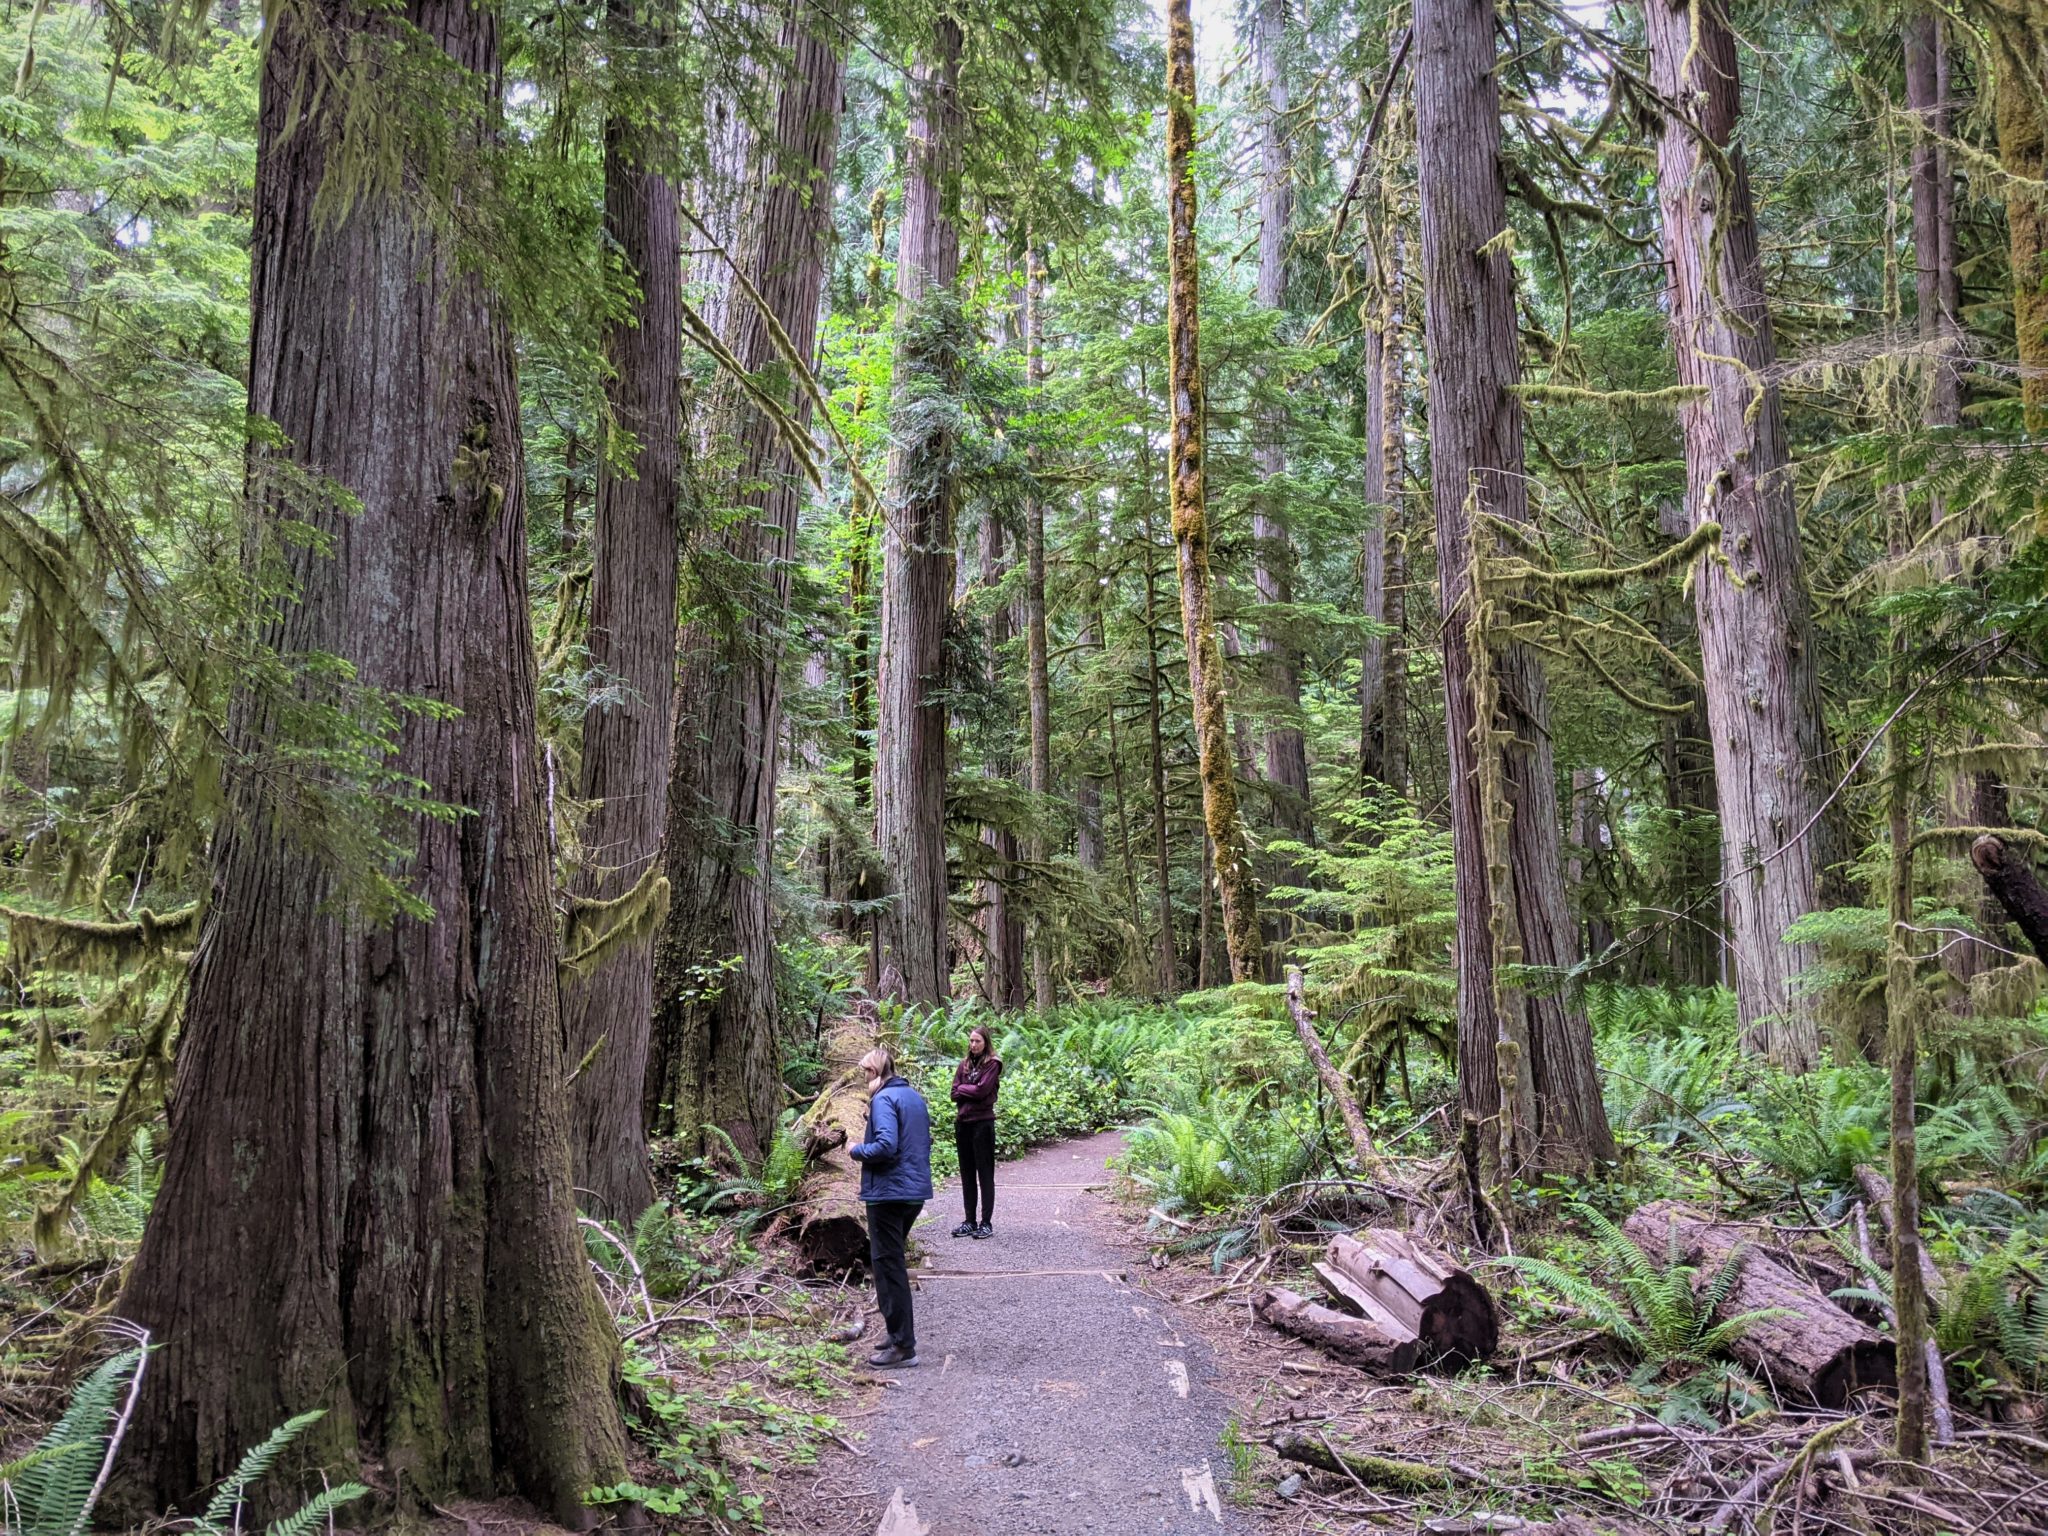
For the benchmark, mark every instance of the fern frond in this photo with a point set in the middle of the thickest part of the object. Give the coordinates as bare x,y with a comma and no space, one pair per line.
255,1464
55,1493
316,1511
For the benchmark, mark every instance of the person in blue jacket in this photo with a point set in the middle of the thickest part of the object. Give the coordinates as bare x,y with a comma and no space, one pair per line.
895,1181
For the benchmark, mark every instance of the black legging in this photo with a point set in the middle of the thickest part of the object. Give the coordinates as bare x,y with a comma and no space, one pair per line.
889,1223
976,1140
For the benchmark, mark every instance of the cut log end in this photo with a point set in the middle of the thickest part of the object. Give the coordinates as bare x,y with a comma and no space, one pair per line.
833,1245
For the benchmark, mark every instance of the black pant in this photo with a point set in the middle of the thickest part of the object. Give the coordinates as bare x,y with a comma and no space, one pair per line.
976,1140
888,1234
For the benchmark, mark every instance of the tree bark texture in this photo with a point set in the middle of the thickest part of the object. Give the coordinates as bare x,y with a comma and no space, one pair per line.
1358,1341
366,1204
2009,875
1037,659
1002,925
1382,751
1510,881
2020,66
1937,285
1273,571
1902,1004
1759,657
717,1053
1185,470
626,735
1165,965
917,538
1937,288
1812,1351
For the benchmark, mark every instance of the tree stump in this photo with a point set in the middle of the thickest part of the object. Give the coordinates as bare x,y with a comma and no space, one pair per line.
1813,1350
1403,1284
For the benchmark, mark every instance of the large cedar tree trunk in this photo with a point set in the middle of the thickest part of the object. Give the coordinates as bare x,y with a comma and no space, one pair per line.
1185,468
1272,574
1759,658
366,1203
1510,881
632,644
716,1058
2020,66
917,537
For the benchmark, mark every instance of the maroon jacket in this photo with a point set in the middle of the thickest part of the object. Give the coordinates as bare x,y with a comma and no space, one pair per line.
974,1089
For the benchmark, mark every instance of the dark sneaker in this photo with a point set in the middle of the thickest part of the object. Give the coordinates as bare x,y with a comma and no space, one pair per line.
984,1230
891,1356
965,1229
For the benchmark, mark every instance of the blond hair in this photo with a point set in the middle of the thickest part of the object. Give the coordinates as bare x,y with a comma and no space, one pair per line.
880,1062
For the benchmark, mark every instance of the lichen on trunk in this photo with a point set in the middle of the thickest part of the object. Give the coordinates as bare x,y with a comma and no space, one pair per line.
1185,470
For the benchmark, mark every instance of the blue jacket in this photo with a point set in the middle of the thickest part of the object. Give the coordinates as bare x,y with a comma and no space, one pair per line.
896,1159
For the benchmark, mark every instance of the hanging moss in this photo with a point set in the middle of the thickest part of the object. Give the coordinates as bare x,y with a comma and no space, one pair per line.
141,1091
596,926
99,949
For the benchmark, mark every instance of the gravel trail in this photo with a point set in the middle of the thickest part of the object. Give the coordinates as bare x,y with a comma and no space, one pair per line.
1053,1398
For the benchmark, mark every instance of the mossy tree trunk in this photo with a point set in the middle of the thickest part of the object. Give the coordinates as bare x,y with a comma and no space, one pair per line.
1759,656
1504,815
2020,103
917,536
1286,751
717,1052
366,1203
1165,964
626,734
1185,470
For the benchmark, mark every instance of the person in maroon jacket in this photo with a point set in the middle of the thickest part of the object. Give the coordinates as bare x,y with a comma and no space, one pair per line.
975,1082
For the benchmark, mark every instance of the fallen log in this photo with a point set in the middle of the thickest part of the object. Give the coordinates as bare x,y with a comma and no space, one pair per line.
1877,1192
1810,1349
832,1224
1373,1471
1333,1081
1415,1289
1356,1340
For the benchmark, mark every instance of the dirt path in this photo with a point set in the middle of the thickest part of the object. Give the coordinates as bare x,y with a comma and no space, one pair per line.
1054,1399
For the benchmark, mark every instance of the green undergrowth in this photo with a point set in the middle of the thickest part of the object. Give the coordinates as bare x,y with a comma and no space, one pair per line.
717,1412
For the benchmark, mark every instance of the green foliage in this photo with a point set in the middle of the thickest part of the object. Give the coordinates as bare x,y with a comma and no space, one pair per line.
52,1491
708,1429
1664,1317
1668,1060
1221,1154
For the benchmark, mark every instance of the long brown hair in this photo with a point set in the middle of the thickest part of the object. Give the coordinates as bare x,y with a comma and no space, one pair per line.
988,1043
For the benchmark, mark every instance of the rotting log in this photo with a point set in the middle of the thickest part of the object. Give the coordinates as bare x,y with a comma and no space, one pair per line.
1356,1340
1390,1277
1382,1472
1333,1080
1809,1348
832,1226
